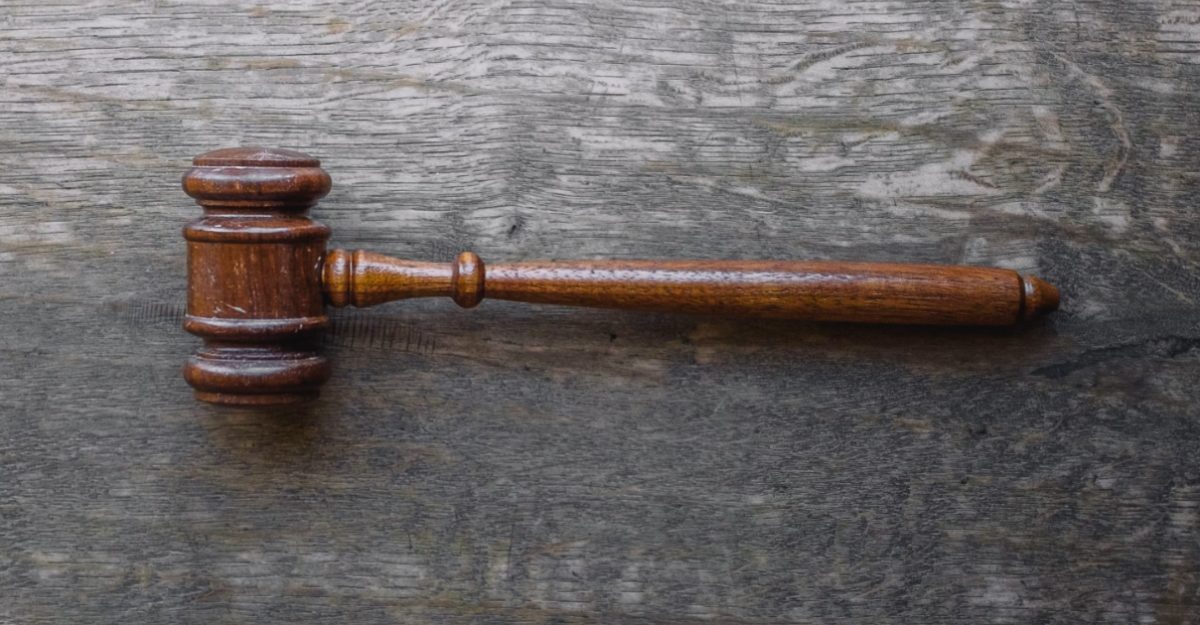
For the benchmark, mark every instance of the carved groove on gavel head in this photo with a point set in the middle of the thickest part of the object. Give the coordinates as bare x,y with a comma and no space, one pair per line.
259,278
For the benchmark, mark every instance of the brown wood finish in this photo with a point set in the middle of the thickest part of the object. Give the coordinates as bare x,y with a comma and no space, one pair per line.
259,276
812,290
254,287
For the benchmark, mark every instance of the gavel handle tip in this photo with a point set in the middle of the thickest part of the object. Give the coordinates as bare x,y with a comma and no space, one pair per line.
1040,296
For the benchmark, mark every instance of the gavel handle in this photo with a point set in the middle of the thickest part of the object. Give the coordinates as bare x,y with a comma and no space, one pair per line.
812,290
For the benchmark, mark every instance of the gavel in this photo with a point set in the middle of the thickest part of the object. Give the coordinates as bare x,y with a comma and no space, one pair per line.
260,278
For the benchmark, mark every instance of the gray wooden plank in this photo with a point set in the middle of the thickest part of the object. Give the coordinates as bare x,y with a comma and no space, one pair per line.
543,465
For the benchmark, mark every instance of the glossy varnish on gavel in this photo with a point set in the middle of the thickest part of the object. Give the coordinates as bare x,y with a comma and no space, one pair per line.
259,278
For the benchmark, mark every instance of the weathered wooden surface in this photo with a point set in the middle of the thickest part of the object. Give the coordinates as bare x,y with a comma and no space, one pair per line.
521,465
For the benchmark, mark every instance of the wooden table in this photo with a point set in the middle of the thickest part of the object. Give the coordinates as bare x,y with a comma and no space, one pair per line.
516,464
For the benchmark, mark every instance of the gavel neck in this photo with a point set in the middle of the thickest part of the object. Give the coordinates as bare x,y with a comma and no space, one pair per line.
359,278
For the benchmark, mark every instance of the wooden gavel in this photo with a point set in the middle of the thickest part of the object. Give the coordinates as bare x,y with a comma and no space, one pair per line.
259,278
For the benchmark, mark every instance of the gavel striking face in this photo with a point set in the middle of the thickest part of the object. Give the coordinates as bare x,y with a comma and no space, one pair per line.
259,278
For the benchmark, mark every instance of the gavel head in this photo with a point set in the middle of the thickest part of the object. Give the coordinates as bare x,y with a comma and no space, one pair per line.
254,276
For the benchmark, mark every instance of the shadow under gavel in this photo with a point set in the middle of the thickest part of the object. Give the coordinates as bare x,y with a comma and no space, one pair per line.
260,276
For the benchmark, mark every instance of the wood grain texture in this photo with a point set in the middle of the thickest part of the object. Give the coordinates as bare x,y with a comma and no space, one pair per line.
592,466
